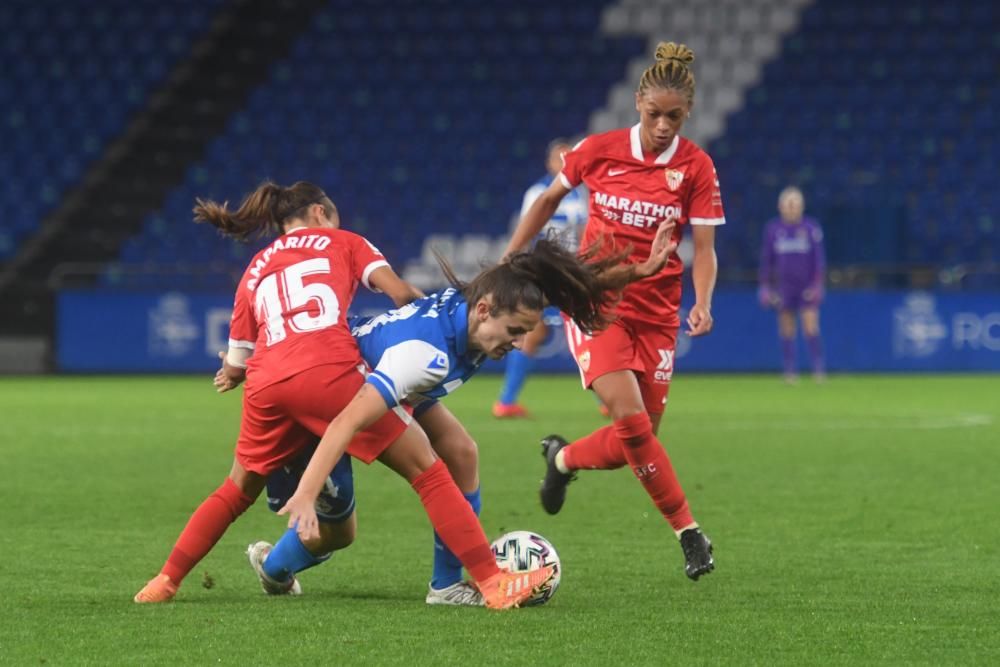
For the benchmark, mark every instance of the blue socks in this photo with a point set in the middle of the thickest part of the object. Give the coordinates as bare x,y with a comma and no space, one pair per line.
289,556
518,367
447,567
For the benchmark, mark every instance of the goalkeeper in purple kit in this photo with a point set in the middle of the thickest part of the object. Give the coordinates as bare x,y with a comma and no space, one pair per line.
791,277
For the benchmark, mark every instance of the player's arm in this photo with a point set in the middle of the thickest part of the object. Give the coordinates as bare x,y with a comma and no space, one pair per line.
766,295
704,269
234,369
818,279
242,334
363,410
385,280
538,214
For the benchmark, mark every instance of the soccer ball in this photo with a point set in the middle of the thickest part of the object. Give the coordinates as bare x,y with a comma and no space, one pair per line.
522,550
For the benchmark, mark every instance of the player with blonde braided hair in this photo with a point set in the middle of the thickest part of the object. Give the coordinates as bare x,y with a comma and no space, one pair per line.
638,177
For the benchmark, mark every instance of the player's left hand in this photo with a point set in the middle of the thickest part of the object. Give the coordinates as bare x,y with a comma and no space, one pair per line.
301,513
699,320
223,382
661,249
813,294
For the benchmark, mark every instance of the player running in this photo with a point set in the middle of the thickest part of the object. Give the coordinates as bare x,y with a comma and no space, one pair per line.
564,227
289,311
421,353
636,177
791,275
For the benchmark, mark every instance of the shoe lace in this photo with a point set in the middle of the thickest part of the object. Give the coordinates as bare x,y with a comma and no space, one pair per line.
464,593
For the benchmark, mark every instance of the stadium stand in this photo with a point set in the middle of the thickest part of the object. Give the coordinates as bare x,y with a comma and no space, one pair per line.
890,132
75,75
428,119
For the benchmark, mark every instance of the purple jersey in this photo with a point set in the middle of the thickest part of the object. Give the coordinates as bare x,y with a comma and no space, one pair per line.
791,256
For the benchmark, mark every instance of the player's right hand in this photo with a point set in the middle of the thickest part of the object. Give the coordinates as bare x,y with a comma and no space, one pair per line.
767,298
223,382
302,516
662,247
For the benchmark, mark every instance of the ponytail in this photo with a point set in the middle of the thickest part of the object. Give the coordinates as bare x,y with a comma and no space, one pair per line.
264,211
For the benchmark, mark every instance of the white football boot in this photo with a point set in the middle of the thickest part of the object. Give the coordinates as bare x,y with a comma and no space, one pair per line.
463,593
257,554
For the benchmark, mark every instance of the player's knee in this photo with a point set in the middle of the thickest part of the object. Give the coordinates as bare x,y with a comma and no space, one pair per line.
334,537
463,461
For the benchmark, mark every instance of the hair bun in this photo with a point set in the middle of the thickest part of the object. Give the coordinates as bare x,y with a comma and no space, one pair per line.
667,51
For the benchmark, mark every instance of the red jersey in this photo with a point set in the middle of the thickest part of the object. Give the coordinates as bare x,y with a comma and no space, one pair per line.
291,304
630,195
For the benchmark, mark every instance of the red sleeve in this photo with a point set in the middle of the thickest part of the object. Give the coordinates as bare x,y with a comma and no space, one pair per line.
243,324
365,258
575,163
705,207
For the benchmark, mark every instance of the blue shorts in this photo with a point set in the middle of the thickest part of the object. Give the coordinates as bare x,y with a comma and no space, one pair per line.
335,502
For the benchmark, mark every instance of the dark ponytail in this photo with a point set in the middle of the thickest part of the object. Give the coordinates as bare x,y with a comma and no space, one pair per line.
548,275
264,211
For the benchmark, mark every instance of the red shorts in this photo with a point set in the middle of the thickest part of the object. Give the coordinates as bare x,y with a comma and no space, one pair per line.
646,349
287,416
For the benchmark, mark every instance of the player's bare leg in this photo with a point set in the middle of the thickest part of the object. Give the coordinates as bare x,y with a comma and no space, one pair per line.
787,332
814,343
634,442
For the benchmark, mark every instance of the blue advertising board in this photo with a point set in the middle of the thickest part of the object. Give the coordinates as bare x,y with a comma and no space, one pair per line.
105,331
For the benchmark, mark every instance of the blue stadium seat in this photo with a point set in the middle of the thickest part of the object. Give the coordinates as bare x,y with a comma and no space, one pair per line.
433,119
884,102
75,75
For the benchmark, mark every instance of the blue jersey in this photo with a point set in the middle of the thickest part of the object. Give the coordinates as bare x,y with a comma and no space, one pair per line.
566,224
418,352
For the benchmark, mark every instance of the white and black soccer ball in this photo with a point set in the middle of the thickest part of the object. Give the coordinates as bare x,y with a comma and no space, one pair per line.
522,550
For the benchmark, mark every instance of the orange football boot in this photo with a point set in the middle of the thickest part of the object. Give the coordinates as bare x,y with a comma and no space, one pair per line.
157,589
512,411
505,590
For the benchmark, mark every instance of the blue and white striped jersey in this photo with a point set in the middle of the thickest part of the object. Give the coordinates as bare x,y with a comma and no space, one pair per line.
566,224
418,352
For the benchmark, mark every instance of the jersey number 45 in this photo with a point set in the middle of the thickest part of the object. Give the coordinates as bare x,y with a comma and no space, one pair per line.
285,292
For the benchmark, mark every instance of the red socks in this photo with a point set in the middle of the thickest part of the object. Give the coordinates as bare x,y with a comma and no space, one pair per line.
651,465
455,522
601,450
204,528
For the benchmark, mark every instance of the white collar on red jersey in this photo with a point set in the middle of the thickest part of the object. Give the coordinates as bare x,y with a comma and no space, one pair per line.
662,158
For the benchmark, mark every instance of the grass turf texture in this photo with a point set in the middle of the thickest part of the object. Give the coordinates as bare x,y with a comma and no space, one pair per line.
854,523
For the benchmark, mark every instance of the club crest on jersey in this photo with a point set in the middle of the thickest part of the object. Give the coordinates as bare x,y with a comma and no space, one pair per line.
584,360
674,178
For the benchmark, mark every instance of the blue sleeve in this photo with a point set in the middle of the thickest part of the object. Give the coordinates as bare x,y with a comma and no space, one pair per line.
384,385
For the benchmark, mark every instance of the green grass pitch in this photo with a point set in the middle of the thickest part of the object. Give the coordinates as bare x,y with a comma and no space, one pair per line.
855,523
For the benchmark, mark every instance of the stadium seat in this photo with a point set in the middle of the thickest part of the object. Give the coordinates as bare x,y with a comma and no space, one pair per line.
80,73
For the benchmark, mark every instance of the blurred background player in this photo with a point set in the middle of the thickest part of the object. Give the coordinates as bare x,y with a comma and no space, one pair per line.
638,177
565,228
791,276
